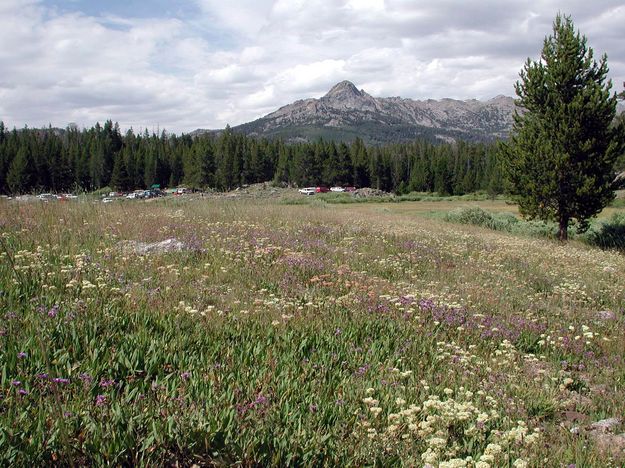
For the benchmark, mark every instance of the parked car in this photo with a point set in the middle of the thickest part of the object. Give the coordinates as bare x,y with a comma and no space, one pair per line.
308,190
107,200
350,189
131,196
46,196
322,189
337,189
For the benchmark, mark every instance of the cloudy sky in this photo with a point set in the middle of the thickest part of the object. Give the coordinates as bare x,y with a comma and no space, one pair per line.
205,63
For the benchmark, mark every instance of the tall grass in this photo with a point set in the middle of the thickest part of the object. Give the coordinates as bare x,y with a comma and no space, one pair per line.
347,198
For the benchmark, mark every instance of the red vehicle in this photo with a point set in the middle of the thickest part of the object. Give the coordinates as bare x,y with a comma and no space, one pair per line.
350,189
322,189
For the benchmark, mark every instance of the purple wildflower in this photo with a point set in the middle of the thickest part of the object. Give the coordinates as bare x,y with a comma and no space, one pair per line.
22,392
42,376
60,380
16,383
101,400
104,383
261,400
22,355
53,311
185,375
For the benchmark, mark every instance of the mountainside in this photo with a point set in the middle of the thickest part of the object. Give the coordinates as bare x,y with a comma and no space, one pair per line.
345,113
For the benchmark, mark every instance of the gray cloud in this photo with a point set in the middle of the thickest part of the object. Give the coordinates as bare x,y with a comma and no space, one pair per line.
231,63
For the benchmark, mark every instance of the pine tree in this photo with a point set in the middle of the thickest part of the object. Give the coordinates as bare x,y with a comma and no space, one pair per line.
177,170
224,160
268,157
120,180
442,171
359,163
304,168
344,170
207,162
561,154
331,166
282,172
22,174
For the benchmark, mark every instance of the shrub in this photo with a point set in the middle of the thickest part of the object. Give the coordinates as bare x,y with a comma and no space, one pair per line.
609,234
505,222
479,217
604,234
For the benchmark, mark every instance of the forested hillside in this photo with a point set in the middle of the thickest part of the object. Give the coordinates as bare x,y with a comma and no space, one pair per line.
33,160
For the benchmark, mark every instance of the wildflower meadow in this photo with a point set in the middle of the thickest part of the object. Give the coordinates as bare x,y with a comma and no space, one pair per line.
310,335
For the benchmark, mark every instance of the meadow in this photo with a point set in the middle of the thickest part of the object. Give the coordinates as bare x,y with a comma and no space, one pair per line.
316,334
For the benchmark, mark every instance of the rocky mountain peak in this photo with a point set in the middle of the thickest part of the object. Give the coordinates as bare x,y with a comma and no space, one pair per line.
344,89
346,97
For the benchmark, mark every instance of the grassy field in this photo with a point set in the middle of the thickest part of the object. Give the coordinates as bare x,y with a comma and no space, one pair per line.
338,335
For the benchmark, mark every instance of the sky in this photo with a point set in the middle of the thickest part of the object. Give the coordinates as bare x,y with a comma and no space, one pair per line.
187,64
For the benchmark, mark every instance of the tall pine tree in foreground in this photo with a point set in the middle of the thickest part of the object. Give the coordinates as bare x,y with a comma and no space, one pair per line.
561,154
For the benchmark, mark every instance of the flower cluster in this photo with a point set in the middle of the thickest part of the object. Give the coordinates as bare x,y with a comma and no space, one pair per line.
448,430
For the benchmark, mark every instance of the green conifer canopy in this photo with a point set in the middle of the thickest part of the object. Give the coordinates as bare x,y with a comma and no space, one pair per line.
560,158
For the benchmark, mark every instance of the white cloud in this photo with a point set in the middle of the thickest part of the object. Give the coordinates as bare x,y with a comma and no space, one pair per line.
235,61
264,97
307,77
245,17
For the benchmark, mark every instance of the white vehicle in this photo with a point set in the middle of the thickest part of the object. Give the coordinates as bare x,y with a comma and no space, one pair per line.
107,200
131,196
337,189
308,190
46,196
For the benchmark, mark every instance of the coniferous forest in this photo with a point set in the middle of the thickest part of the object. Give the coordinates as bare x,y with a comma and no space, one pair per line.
38,160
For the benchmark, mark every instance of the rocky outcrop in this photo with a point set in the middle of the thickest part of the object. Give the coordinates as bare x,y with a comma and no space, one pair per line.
605,436
145,248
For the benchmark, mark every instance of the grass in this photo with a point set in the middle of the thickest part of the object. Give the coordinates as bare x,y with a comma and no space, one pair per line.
348,198
323,334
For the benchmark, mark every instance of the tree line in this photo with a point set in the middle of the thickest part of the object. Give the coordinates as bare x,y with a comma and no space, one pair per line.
71,159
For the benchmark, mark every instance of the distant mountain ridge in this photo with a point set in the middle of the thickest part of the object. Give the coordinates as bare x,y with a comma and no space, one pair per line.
346,112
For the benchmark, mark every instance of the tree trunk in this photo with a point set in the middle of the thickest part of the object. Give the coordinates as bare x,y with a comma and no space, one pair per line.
564,229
